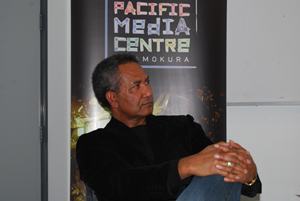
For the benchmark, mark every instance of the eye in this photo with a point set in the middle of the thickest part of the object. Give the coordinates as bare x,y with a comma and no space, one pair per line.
147,82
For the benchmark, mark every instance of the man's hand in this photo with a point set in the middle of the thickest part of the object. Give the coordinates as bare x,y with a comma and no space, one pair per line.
248,164
212,160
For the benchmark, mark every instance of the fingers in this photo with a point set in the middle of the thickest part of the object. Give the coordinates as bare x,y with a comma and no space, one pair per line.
232,172
222,146
237,172
233,144
231,177
234,178
240,155
226,146
237,146
233,156
236,150
233,168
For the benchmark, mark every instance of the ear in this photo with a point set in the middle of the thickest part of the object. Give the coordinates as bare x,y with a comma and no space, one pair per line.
111,97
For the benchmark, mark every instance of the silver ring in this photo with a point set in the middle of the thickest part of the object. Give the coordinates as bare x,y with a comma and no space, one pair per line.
228,164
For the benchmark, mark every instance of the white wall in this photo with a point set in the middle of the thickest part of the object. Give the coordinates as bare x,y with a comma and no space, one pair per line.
271,133
263,51
262,60
59,100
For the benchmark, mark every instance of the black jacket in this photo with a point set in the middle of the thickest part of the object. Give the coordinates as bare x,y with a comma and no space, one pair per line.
114,162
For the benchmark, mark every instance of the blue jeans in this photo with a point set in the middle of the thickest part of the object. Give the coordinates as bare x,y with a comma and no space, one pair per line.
211,188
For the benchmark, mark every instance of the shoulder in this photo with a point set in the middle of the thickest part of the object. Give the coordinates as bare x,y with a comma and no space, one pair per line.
98,141
108,131
93,135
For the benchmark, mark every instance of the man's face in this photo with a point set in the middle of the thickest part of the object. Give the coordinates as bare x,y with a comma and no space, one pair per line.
135,98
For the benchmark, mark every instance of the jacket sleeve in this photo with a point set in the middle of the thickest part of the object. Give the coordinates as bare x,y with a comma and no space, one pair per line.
109,175
251,191
199,140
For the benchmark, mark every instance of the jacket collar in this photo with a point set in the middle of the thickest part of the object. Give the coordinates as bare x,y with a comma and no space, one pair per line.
157,133
150,122
116,124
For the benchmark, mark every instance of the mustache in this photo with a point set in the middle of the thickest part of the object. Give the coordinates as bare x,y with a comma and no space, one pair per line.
148,99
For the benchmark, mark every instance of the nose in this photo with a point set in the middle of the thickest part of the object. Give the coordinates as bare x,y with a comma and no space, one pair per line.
147,92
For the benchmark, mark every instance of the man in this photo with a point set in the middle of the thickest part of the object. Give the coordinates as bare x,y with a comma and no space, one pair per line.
138,156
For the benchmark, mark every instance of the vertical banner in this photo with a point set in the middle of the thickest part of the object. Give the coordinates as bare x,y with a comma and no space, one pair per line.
180,44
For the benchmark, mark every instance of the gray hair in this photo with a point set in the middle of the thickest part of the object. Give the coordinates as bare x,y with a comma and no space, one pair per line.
106,75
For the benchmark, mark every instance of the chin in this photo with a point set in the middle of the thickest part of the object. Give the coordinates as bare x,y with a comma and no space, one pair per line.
149,111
